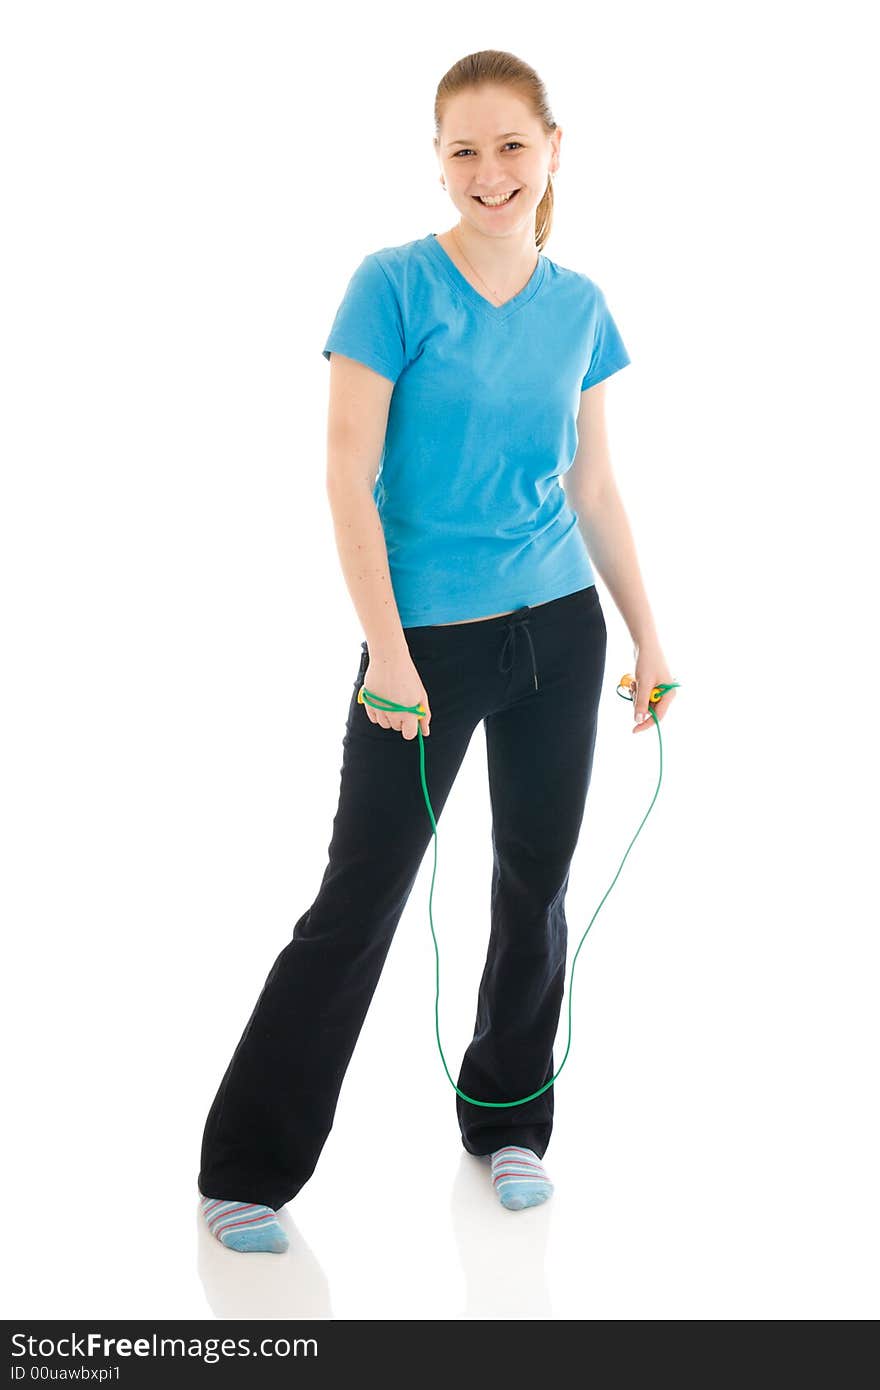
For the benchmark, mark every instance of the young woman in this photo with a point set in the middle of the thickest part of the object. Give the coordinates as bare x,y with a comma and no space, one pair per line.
467,369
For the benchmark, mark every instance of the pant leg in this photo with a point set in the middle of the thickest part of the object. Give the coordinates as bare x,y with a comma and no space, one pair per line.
540,752
275,1105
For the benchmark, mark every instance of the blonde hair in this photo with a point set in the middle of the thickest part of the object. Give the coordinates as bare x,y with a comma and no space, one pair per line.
493,67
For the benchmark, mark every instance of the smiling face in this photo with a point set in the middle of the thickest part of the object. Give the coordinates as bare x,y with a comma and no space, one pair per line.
491,144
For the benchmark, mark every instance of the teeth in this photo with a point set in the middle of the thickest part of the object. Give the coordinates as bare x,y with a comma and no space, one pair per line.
496,202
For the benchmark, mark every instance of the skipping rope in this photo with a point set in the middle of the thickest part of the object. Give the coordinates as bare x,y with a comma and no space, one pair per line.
625,688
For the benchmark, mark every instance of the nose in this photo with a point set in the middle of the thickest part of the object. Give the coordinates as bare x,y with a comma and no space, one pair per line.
491,179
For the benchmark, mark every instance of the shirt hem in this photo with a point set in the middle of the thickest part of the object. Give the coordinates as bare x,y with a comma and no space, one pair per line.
605,372
554,591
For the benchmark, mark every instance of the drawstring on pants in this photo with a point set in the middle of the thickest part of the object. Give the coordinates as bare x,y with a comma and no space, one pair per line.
509,646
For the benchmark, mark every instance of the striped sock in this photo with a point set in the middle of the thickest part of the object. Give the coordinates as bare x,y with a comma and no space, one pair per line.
519,1178
244,1225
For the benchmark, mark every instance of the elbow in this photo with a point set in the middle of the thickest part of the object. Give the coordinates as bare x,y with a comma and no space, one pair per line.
350,470
345,488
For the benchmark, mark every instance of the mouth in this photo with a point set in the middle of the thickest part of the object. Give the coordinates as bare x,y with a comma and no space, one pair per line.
495,207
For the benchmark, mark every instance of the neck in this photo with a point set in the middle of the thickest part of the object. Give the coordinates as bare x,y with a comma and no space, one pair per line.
499,258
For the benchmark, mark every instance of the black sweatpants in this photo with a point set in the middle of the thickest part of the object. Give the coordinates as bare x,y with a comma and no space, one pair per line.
534,678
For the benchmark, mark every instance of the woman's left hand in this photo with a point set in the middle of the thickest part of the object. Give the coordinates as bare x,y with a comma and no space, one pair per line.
651,670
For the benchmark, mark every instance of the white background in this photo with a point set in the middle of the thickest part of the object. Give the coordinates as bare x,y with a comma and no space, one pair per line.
187,189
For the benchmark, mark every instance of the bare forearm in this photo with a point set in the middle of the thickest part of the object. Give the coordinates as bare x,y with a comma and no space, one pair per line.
363,556
606,531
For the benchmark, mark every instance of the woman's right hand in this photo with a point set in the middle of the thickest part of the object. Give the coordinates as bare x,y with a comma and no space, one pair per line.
398,680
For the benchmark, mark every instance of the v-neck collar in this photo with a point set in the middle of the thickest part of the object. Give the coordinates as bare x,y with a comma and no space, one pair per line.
479,301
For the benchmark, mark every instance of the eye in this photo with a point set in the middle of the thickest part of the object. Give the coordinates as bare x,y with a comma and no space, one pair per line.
466,151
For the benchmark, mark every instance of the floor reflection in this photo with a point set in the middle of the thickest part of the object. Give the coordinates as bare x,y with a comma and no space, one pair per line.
502,1255
257,1285
502,1252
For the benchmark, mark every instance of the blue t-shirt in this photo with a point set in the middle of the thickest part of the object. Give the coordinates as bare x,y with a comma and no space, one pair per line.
481,424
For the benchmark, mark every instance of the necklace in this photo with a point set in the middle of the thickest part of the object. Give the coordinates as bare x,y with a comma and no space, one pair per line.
494,293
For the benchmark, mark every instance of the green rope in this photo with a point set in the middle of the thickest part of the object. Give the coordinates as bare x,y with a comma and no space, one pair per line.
379,702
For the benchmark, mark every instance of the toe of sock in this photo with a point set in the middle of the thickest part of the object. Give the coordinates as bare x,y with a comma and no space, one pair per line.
272,1241
533,1196
519,1178
512,1202
246,1226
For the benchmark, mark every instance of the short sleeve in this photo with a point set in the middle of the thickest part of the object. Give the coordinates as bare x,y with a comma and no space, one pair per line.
609,353
368,324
